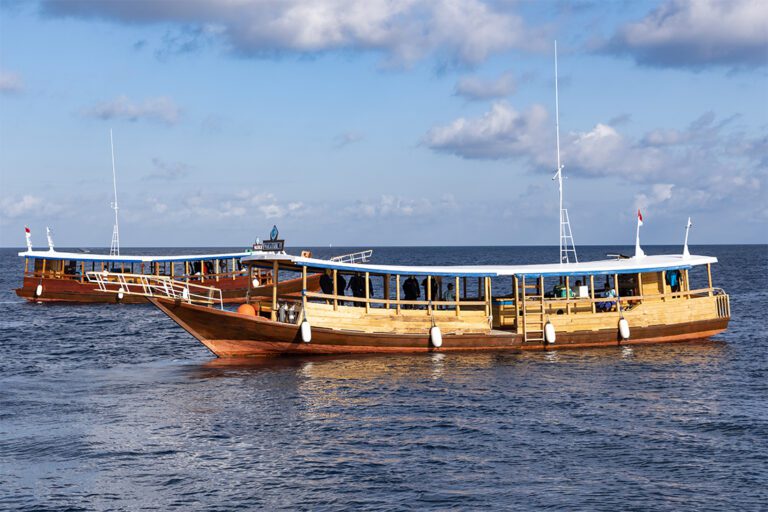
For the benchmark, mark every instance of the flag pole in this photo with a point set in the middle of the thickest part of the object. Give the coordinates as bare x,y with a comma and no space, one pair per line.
638,251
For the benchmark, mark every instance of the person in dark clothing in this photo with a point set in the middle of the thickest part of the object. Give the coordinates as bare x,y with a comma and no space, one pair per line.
341,285
435,288
326,283
673,280
411,290
357,284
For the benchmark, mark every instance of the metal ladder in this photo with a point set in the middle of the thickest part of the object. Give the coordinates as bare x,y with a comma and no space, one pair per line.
532,312
567,246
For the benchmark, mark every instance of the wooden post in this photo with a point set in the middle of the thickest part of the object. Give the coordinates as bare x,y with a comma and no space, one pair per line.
488,296
429,290
26,266
664,283
456,296
367,292
82,271
709,278
387,277
397,293
234,268
202,271
303,280
541,291
616,284
516,284
687,283
640,286
592,291
186,270
567,295
216,268
335,290
275,279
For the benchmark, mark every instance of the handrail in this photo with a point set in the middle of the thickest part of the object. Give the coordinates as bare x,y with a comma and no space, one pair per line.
355,257
155,286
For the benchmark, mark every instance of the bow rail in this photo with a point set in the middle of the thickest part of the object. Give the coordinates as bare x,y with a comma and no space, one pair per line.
155,286
355,257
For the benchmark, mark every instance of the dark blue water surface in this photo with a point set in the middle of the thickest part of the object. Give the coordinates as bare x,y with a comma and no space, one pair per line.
117,408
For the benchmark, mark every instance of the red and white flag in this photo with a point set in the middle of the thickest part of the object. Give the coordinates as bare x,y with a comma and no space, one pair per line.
639,218
26,228
28,235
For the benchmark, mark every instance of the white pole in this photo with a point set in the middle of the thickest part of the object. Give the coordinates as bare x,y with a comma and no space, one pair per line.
638,251
686,253
115,245
559,165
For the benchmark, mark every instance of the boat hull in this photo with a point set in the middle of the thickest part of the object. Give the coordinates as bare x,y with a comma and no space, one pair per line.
233,291
229,334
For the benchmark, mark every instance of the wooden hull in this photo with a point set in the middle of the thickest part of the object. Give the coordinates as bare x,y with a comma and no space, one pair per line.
72,290
229,334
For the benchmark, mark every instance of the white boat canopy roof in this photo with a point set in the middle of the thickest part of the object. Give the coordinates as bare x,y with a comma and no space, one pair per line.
613,266
129,258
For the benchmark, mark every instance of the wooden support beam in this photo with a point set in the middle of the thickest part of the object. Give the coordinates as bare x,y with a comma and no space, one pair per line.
592,291
709,278
515,284
335,290
456,296
387,279
397,293
367,291
275,279
567,295
640,285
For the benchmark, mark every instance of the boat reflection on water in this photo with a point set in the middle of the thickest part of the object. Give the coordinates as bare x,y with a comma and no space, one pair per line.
455,366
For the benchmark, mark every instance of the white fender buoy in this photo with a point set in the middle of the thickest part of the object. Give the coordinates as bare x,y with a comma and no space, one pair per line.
306,331
185,294
549,333
292,314
624,329
39,290
435,336
255,283
120,293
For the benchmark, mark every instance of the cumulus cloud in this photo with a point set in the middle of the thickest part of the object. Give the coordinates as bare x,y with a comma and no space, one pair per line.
474,88
658,193
697,34
161,110
404,31
10,83
388,205
502,132
26,206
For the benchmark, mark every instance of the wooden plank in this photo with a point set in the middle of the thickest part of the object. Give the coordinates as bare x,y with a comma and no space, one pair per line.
335,289
367,292
456,296
709,277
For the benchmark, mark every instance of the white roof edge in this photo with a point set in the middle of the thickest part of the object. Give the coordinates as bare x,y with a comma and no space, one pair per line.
617,266
132,258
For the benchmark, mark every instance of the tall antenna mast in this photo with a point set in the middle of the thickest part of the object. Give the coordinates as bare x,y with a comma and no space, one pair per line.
567,246
114,247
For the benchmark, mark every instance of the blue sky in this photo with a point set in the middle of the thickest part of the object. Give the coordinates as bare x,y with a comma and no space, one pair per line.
400,122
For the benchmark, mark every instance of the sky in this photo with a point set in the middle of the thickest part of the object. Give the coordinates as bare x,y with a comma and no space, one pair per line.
384,122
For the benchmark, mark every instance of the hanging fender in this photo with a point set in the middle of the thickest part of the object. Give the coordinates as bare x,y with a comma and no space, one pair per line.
435,336
624,328
306,331
39,290
120,294
549,333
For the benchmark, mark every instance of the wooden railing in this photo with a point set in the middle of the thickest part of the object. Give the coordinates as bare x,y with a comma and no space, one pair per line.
397,304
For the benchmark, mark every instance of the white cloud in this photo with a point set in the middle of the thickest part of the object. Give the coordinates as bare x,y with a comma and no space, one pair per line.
456,31
659,193
697,34
502,132
388,205
347,138
161,109
27,206
167,171
10,83
474,88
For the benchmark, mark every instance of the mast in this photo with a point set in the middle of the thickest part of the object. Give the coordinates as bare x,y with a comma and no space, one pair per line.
114,247
566,236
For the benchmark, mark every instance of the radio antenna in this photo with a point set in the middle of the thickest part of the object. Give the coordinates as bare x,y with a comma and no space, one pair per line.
567,246
114,247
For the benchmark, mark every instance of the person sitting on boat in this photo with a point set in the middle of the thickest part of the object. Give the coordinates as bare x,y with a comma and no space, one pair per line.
608,293
450,294
411,290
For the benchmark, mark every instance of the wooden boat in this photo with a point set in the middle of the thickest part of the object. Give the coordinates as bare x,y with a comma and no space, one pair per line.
54,276
495,307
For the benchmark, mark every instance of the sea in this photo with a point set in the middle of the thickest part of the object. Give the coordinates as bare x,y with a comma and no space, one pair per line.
115,407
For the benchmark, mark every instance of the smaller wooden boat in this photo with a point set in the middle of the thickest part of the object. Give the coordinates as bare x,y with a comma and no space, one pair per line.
54,276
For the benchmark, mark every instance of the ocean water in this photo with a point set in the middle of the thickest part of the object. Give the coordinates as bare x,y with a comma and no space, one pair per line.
117,408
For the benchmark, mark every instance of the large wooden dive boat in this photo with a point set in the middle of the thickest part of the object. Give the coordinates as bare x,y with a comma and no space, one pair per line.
54,276
645,299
